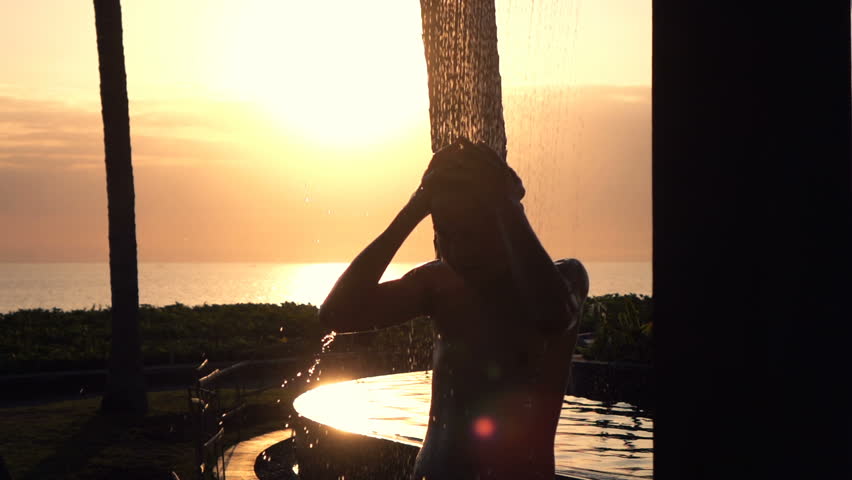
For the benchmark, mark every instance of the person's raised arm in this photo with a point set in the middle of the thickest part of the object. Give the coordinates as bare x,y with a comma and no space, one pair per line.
551,300
358,301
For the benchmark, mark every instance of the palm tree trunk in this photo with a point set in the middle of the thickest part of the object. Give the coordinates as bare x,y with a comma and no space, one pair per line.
125,389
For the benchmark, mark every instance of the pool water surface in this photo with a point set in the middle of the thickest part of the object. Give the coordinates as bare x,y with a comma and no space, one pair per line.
593,440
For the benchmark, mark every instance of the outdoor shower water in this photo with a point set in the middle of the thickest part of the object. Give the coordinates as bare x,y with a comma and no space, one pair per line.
465,95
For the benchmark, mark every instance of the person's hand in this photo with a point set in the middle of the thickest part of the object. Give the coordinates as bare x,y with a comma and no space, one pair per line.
458,165
474,169
421,200
443,161
489,176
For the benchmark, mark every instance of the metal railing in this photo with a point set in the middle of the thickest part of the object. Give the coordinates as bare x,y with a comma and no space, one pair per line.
217,404
210,411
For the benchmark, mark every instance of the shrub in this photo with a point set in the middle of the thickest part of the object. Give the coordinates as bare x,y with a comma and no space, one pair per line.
622,328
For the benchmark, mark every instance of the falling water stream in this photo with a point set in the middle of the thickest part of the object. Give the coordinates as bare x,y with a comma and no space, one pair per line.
465,94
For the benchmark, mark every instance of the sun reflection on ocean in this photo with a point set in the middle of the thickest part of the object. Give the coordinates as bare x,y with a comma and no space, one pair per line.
311,282
82,285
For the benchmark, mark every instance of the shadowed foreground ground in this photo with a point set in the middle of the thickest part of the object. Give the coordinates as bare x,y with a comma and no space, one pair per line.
69,440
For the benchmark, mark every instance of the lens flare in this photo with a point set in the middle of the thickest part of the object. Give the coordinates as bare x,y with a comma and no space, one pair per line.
484,427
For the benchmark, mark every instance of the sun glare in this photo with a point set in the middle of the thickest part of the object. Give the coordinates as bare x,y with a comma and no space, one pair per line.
390,406
352,415
338,72
311,282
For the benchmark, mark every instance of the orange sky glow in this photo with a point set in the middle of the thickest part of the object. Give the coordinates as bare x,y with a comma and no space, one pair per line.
294,131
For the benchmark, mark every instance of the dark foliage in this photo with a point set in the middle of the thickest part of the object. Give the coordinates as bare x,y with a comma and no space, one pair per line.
45,340
51,340
622,327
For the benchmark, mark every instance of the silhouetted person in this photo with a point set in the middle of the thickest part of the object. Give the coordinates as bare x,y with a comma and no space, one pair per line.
505,318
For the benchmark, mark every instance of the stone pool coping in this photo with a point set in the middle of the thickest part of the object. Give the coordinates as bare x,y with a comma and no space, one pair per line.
240,459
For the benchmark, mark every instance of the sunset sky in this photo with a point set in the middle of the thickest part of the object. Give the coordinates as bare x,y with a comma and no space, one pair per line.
294,131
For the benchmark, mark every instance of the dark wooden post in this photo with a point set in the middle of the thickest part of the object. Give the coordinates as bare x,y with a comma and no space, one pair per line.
752,192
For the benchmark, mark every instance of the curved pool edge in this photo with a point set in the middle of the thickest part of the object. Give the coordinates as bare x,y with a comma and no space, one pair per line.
326,453
241,458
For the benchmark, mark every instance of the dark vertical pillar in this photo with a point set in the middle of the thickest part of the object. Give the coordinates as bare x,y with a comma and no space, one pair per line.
125,388
752,209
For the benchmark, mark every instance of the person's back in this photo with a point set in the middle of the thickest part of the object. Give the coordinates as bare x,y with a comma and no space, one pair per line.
497,386
505,320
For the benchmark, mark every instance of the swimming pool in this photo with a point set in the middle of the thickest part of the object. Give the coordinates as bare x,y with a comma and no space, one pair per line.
593,440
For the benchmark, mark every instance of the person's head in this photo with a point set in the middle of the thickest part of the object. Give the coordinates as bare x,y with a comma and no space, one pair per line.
467,235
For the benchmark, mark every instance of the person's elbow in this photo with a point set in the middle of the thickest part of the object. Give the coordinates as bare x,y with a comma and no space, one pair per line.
328,317
336,317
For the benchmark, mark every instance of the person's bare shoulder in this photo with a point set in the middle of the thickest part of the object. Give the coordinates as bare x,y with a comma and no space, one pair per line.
433,275
438,280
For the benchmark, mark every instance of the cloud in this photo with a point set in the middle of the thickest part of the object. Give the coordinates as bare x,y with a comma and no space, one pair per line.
233,184
42,134
53,135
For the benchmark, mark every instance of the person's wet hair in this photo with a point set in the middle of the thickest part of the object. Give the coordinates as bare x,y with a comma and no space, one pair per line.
455,164
472,172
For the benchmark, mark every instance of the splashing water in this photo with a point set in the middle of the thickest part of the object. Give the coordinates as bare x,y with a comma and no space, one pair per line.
312,373
326,344
327,341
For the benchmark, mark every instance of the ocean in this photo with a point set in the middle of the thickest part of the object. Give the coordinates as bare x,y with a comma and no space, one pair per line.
85,285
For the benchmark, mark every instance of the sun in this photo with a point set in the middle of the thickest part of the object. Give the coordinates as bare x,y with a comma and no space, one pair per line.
338,72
